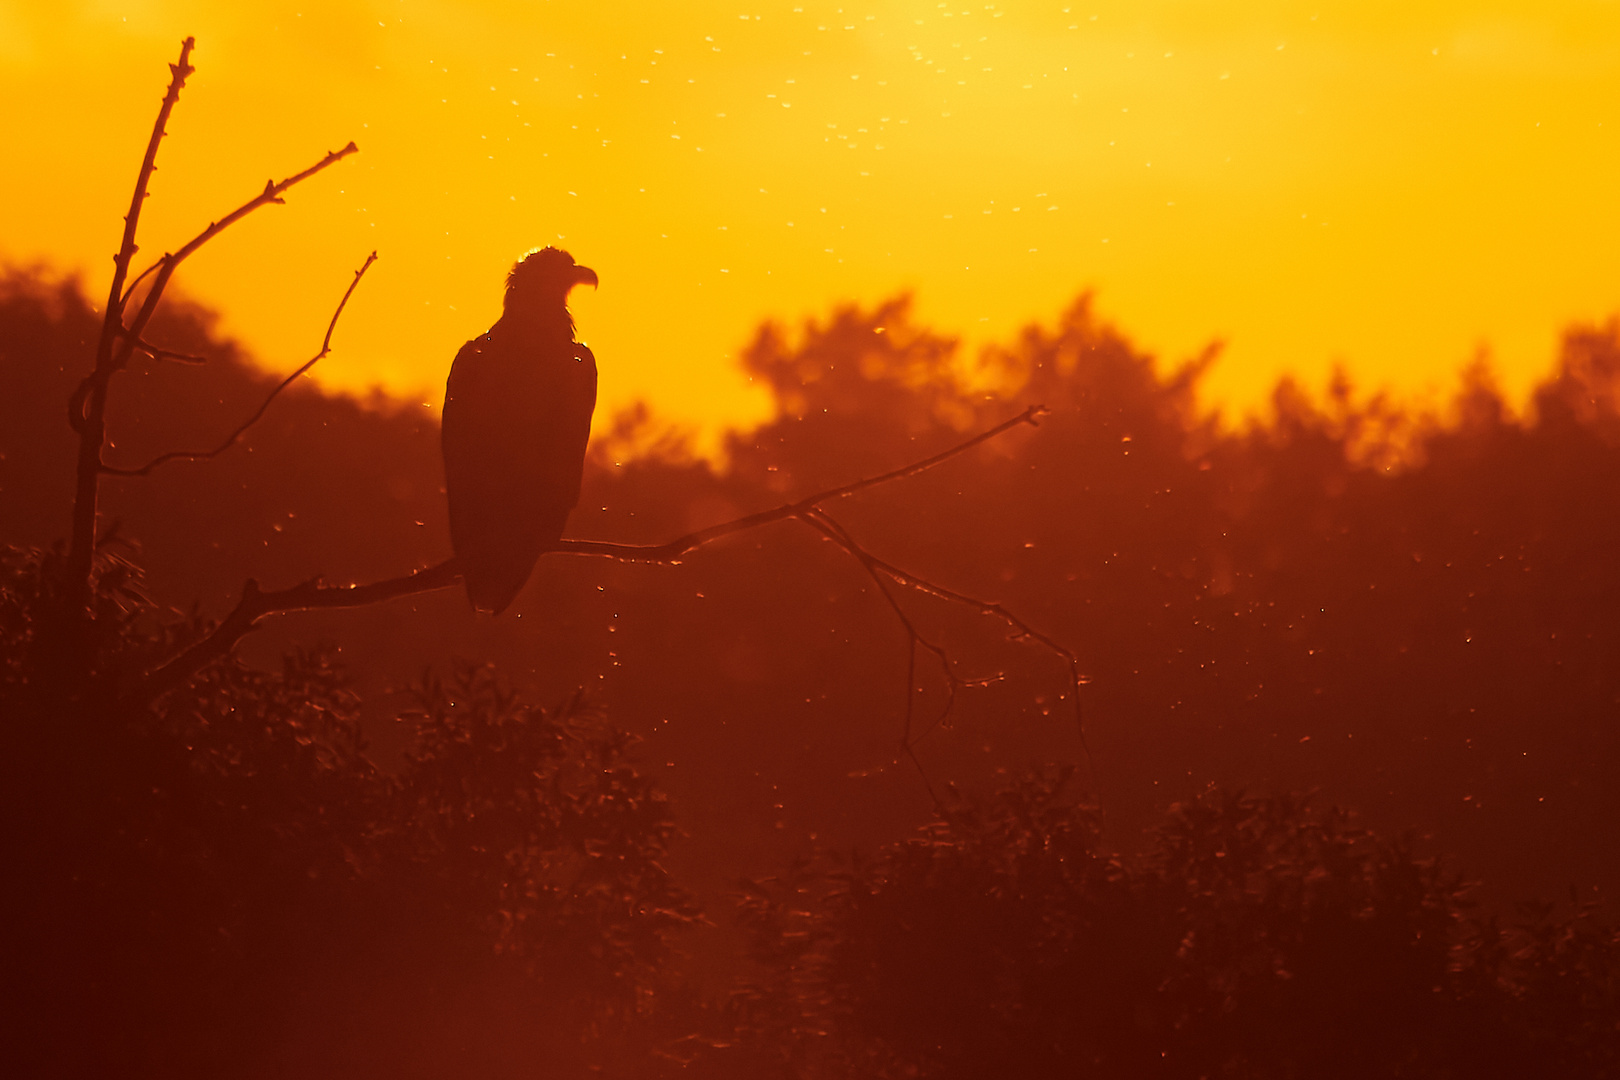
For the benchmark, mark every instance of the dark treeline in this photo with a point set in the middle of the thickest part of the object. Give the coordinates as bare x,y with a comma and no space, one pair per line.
318,865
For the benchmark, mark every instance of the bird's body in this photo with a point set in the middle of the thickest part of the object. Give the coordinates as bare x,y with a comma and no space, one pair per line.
517,415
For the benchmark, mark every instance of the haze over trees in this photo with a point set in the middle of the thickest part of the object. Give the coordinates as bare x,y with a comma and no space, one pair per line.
1411,617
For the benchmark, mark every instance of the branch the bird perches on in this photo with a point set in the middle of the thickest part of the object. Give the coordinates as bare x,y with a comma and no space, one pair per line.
256,604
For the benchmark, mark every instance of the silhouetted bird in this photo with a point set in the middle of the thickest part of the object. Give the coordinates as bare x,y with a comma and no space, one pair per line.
517,414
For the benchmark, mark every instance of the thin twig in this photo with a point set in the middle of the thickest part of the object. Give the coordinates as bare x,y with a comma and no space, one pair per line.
672,551
822,522
907,744
123,301
878,569
835,532
78,418
167,265
1022,631
204,455
255,604
157,352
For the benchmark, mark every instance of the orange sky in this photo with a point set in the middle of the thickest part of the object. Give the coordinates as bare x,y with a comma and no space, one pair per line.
1387,184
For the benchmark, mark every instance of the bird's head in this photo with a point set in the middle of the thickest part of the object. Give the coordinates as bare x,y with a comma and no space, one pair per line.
540,281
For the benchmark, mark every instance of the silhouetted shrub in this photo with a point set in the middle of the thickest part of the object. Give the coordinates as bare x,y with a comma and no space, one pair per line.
226,886
1256,937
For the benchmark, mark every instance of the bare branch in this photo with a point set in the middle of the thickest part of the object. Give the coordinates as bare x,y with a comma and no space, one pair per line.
87,405
167,265
1031,416
179,72
256,604
77,419
835,532
158,353
1021,631
310,595
672,551
203,455
123,301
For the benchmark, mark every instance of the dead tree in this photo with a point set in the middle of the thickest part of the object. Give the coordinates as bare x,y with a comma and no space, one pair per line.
121,338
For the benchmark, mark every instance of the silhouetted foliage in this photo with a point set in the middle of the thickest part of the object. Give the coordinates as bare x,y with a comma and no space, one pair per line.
272,871
1256,937
227,885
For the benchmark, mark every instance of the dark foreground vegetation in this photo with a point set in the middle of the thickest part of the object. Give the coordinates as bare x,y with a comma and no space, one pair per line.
320,862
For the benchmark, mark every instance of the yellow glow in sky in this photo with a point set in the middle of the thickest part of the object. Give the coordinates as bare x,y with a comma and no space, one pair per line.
1390,185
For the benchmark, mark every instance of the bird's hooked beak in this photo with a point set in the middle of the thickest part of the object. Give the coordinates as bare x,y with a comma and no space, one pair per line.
582,275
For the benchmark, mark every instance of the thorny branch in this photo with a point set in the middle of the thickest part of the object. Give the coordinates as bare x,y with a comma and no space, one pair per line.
118,340
230,440
169,263
87,406
95,385
256,604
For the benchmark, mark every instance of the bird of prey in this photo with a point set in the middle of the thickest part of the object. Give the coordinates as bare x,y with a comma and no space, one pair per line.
517,414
